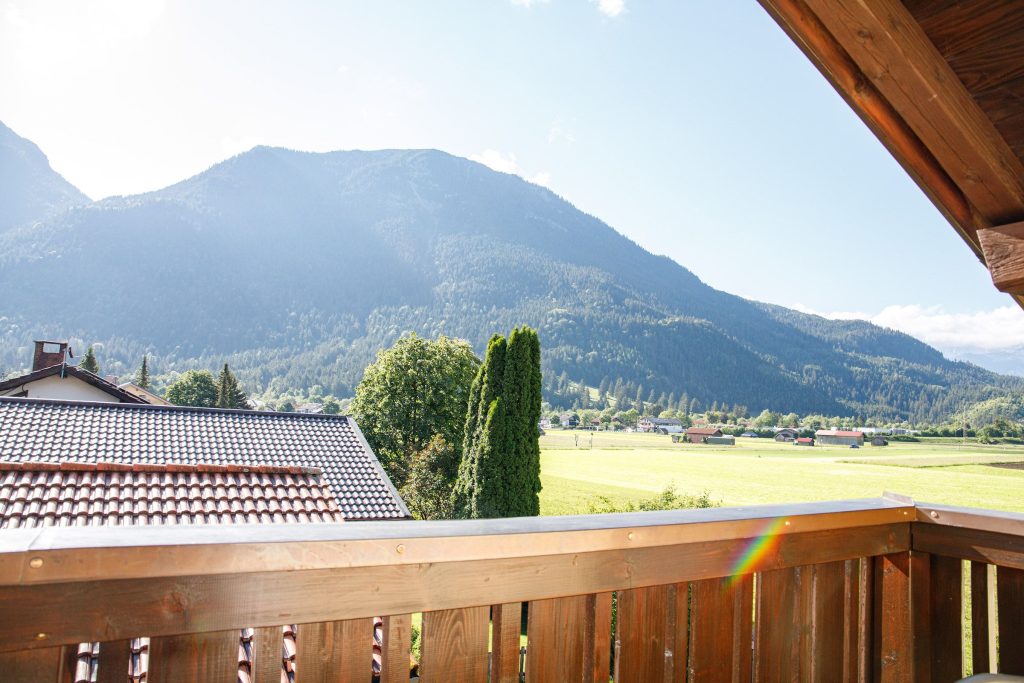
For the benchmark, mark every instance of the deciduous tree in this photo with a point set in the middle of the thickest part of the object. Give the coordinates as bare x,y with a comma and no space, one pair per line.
413,391
193,388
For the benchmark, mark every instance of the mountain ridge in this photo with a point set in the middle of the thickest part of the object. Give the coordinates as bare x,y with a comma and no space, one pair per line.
298,266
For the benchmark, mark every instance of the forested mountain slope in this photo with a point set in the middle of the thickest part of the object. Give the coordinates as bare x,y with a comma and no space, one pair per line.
29,189
299,266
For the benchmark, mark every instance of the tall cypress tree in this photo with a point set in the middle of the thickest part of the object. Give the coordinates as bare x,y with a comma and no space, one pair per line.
500,472
142,376
89,362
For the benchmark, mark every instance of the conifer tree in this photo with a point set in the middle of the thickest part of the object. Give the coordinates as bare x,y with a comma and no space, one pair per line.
229,391
142,376
499,475
89,362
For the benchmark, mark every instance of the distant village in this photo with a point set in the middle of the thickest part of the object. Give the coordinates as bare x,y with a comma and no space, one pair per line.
698,431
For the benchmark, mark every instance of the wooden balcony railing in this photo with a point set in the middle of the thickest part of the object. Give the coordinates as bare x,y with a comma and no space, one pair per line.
863,590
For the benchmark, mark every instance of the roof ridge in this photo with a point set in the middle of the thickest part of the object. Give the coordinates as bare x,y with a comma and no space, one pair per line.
37,466
168,408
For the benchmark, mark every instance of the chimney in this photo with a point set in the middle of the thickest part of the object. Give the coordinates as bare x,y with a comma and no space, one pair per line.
48,354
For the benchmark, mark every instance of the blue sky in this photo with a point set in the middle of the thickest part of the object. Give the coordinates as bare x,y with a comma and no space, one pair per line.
693,126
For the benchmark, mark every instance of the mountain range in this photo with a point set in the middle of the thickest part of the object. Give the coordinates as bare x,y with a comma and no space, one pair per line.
297,267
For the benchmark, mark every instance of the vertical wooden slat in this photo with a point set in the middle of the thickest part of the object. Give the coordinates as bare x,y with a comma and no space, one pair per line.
893,660
454,645
778,628
851,621
209,657
395,656
267,654
826,627
507,620
806,628
721,622
556,639
598,648
1010,593
334,651
920,643
639,634
647,638
865,619
946,619
31,666
979,618
113,661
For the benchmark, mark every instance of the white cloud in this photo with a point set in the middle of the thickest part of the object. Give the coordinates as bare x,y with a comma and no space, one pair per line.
611,8
507,163
343,68
529,3
559,131
999,329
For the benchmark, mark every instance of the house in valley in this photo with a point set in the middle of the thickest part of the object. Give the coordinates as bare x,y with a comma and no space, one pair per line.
662,425
838,437
803,441
701,434
786,434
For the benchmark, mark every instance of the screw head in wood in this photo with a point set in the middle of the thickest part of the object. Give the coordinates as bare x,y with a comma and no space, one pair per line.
35,562
400,548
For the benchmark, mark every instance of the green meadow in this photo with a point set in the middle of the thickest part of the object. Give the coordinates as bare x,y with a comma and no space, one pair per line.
578,467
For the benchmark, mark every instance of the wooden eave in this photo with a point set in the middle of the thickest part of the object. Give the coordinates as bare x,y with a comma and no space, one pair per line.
941,84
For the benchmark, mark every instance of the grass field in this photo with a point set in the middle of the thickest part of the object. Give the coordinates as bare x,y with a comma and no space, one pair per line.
576,467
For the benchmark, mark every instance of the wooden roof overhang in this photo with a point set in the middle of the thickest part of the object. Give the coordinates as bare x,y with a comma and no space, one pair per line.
941,84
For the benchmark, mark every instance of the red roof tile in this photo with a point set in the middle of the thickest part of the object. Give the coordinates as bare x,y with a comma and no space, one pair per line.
34,494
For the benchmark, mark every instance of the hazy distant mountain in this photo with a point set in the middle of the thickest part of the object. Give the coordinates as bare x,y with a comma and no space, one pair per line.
300,266
29,189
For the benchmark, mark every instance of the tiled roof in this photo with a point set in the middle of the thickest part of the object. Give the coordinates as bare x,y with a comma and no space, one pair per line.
76,372
703,431
87,432
75,494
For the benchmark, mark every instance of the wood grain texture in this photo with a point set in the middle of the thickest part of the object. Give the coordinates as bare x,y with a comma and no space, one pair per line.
980,632
112,666
807,624
80,612
1003,247
920,643
1010,593
557,639
335,651
266,654
33,666
845,75
946,619
210,657
454,646
721,630
598,649
506,624
1003,549
397,648
893,657
893,51
651,634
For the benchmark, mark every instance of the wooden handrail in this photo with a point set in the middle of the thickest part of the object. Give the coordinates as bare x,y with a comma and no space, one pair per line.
76,585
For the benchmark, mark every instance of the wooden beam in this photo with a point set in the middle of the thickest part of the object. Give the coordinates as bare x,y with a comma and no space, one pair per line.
57,554
100,610
815,40
894,52
1003,247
